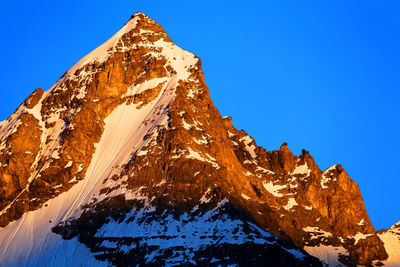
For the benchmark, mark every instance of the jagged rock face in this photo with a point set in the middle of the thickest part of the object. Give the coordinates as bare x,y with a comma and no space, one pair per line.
129,139
313,208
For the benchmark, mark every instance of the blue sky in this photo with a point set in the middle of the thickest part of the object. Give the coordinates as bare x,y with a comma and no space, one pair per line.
324,76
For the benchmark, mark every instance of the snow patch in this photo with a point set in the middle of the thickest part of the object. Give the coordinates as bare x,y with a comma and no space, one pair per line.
247,173
291,203
69,164
329,255
205,198
299,255
80,168
250,149
144,86
142,153
274,189
302,170
202,141
326,178
317,232
186,125
245,196
161,183
263,170
196,155
360,236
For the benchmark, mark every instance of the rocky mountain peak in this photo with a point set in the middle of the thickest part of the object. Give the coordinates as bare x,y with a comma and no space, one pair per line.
129,138
134,66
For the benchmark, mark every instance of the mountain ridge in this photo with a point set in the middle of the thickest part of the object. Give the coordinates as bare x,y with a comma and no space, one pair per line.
163,123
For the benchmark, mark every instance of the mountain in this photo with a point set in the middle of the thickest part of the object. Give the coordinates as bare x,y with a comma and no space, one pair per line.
126,161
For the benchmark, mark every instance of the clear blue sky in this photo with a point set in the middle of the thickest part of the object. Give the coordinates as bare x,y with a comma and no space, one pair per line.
323,76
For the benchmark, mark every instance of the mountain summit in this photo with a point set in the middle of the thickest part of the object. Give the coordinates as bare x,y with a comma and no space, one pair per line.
126,161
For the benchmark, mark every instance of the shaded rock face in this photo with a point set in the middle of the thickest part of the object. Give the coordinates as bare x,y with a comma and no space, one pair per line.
167,235
129,139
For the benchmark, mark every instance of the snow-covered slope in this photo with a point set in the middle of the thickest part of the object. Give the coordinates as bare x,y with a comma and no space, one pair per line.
391,239
187,238
123,134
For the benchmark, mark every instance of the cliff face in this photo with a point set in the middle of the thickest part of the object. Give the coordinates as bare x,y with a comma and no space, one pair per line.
126,160
321,211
